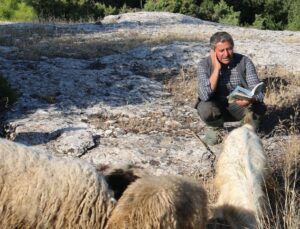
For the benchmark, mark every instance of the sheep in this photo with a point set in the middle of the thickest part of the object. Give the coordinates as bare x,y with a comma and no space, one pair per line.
240,173
119,176
39,190
161,202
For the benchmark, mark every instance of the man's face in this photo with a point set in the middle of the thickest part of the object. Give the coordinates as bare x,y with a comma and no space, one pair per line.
224,52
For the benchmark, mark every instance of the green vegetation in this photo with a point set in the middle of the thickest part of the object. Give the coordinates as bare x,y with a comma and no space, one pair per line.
262,14
7,95
16,10
189,7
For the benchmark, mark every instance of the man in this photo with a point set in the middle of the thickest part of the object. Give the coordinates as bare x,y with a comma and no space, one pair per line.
218,75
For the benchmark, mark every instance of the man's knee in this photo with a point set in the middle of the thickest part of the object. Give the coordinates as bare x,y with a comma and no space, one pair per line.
210,113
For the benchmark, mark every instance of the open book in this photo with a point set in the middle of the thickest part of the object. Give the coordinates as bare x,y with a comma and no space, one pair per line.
243,93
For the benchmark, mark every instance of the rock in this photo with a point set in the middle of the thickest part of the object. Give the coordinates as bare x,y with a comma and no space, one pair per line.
75,143
105,98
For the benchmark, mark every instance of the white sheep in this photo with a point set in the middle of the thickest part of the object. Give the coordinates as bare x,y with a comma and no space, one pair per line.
38,190
161,202
240,173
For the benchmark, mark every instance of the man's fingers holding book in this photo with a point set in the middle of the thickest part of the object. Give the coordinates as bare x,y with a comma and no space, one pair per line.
243,102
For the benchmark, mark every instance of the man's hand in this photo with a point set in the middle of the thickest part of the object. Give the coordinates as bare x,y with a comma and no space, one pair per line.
215,62
216,70
243,102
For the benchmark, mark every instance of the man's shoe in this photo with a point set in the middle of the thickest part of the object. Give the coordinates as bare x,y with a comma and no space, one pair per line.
212,136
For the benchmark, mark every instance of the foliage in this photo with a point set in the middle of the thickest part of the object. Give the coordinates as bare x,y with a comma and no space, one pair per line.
259,21
103,10
121,3
188,7
225,14
65,9
16,10
207,10
293,15
263,14
248,9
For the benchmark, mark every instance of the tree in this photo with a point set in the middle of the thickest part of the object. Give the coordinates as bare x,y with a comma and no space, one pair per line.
188,7
294,15
16,10
225,14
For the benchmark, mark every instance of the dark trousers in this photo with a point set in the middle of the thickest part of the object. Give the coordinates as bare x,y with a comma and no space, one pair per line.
216,112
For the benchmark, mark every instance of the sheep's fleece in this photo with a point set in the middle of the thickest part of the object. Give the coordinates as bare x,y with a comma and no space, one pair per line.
163,202
38,190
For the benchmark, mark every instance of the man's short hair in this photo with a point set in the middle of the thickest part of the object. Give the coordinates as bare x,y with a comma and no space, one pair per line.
220,37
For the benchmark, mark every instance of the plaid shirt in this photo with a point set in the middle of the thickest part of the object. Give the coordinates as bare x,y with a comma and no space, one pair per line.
229,78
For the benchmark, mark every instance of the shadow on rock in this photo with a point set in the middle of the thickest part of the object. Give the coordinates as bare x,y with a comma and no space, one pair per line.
37,138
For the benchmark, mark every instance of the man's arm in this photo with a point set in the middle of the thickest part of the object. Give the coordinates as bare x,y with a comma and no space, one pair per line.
216,67
207,79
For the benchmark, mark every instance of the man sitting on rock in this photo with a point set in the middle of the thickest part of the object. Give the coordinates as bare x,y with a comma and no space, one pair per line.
218,75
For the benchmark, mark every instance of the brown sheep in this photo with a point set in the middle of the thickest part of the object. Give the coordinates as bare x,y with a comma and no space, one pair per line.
161,202
119,177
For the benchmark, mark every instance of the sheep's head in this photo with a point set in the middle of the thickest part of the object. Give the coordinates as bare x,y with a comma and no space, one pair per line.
119,177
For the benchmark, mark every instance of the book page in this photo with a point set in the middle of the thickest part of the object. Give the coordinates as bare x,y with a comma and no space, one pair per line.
245,91
258,88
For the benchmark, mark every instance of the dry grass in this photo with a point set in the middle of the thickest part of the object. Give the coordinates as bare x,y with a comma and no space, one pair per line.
58,41
283,192
282,87
183,87
148,123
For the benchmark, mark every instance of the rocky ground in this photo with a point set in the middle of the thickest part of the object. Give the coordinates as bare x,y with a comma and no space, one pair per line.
122,90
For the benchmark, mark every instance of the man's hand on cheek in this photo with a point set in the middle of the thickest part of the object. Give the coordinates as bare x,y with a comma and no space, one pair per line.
215,63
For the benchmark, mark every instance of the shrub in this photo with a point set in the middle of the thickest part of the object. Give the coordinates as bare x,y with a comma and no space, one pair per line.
73,10
294,16
207,10
259,21
188,7
225,14
16,10
104,10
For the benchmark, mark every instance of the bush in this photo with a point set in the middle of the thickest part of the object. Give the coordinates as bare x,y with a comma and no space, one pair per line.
294,16
188,7
207,10
259,21
16,10
104,10
225,14
70,10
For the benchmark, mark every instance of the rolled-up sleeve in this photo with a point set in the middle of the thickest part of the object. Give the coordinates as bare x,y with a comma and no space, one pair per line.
252,79
204,88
